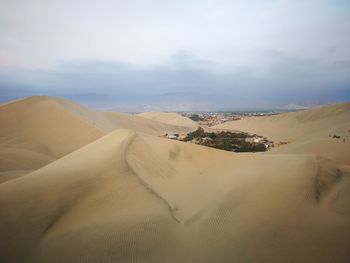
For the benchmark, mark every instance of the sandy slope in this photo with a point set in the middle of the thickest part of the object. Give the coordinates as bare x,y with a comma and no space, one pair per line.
169,118
304,125
129,196
143,125
109,121
136,198
306,131
37,130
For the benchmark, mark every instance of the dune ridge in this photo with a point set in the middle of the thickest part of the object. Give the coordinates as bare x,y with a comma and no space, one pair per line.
304,125
305,132
177,194
38,130
130,196
169,118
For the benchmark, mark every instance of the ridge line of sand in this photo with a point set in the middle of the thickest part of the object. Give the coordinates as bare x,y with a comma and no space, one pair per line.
63,211
77,116
329,175
144,183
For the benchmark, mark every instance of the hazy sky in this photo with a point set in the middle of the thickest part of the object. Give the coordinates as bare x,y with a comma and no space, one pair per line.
176,54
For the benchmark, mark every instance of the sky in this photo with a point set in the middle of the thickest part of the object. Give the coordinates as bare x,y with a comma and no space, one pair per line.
178,55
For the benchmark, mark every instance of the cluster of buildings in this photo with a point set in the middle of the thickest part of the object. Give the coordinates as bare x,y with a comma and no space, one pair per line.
211,118
208,119
258,139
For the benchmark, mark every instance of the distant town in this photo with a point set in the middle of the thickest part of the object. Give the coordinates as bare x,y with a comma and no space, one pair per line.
208,119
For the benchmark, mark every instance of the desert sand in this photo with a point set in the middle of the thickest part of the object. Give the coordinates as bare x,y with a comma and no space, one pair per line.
38,130
169,118
305,132
126,195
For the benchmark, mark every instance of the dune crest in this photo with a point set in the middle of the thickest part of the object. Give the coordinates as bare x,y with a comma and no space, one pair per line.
38,130
305,132
130,196
125,195
169,118
304,125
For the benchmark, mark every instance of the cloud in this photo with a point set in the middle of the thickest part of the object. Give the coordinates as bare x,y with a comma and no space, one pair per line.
185,80
201,53
41,33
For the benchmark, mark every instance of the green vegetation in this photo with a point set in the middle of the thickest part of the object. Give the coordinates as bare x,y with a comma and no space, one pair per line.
195,117
199,133
225,140
252,147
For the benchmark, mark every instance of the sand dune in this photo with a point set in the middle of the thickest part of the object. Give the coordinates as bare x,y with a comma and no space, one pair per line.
169,118
131,197
334,150
109,121
107,194
303,125
143,125
37,130
306,131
